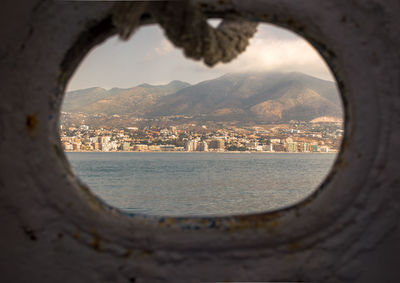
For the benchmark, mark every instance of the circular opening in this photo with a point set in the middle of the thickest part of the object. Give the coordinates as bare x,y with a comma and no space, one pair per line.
152,132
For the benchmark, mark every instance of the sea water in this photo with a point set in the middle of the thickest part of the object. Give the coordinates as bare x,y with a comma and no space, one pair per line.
173,183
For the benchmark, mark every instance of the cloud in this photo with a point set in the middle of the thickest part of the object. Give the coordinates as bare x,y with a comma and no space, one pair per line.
165,47
271,49
150,57
274,54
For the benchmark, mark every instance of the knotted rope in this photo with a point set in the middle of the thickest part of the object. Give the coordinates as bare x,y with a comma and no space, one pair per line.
186,27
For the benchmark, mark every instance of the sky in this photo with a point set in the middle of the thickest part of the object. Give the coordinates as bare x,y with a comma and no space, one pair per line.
149,57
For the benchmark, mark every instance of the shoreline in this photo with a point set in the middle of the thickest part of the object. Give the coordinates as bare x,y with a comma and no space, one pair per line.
198,152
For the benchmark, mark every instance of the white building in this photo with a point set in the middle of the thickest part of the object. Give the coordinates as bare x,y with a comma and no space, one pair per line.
94,139
268,148
202,146
191,145
105,139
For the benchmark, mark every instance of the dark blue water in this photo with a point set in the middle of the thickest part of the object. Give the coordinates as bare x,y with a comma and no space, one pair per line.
200,183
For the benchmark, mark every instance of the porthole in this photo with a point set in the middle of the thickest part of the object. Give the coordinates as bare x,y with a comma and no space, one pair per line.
154,133
57,223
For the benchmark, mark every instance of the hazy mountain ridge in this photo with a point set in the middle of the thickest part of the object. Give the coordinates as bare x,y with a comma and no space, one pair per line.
135,100
264,97
261,97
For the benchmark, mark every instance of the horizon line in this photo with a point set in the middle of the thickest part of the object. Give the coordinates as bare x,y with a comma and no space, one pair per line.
192,84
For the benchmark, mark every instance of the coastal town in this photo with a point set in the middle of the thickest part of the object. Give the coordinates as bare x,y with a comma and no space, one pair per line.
295,136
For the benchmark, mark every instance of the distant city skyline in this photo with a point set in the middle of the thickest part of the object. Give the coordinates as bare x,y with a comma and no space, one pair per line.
149,57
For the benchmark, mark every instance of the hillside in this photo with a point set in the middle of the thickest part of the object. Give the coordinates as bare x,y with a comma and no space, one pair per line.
264,97
259,97
136,100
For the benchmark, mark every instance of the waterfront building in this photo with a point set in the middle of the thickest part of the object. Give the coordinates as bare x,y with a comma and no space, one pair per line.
140,147
267,148
291,146
314,148
252,145
105,139
67,146
217,145
154,148
278,147
304,147
202,146
76,146
96,146
167,147
113,145
259,148
324,148
105,146
94,139
126,146
191,145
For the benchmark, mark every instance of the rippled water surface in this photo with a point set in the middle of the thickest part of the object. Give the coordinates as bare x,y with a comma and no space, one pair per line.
200,183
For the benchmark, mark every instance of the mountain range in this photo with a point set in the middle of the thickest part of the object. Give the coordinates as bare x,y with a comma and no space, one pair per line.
268,97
